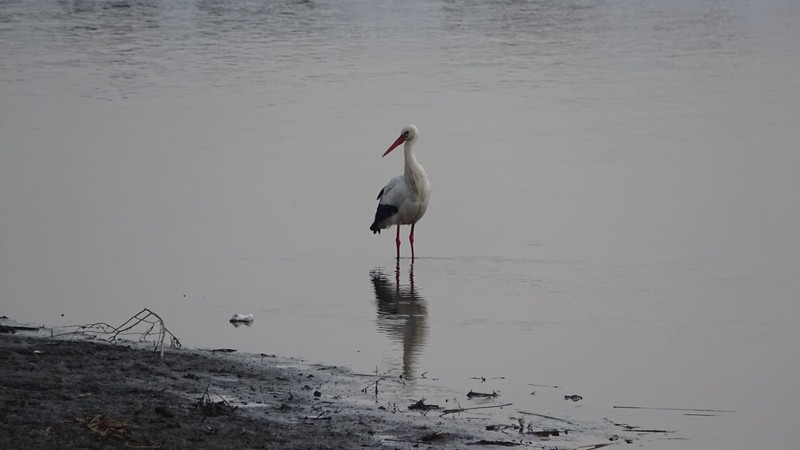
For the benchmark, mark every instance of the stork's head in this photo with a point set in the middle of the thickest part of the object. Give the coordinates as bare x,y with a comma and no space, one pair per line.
408,133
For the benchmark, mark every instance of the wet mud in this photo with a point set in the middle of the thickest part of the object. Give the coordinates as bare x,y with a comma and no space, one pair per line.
62,393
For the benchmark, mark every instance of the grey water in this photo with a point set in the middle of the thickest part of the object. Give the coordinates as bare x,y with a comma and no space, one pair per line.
614,211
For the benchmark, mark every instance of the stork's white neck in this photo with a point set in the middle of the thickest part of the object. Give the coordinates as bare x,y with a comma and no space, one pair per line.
414,173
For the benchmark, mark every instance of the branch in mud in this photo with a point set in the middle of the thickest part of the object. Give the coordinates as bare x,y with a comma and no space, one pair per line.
423,407
152,324
114,429
458,410
522,429
208,407
375,383
320,416
434,437
484,443
595,446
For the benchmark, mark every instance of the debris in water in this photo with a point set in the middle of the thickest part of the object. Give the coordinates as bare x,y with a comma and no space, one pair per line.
472,394
574,397
546,417
675,409
242,319
483,379
459,410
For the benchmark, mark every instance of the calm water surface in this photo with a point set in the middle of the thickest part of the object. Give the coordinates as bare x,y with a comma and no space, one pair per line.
614,205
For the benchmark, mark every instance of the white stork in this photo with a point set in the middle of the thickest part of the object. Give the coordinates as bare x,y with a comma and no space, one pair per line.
404,200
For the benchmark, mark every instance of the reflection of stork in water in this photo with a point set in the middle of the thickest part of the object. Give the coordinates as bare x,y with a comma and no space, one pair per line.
402,315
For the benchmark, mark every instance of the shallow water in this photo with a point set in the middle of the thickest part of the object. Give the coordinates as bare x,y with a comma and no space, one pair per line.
614,193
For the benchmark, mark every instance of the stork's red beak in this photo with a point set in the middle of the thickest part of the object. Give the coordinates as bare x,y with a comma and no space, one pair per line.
399,141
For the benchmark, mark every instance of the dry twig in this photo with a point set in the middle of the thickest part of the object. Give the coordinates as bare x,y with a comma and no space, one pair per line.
458,410
370,385
209,407
114,429
422,406
675,409
152,323
546,417
484,442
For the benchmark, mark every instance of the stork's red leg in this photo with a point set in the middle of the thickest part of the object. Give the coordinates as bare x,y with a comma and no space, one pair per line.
411,239
397,241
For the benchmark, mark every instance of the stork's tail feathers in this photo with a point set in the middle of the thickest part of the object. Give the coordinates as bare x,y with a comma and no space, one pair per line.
383,213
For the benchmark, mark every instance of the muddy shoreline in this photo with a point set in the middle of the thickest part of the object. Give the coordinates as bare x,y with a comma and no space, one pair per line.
78,393
79,390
